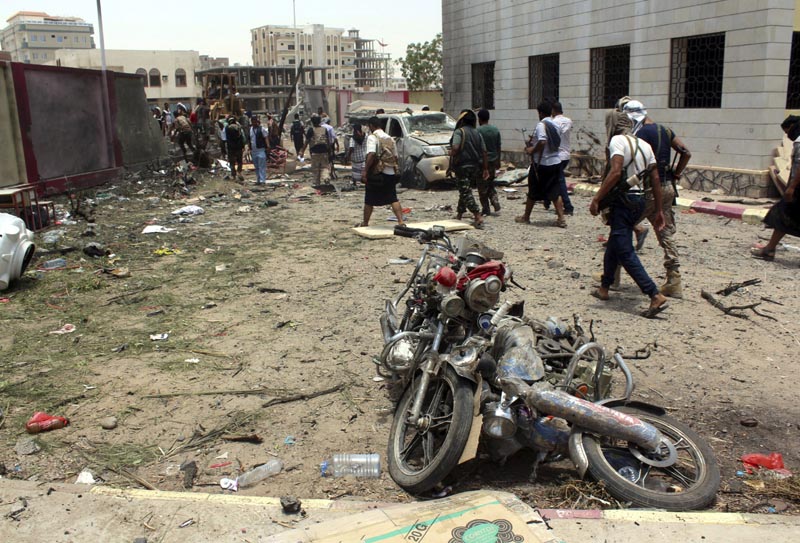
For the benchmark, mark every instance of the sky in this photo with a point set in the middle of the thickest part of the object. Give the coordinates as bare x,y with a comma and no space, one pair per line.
205,25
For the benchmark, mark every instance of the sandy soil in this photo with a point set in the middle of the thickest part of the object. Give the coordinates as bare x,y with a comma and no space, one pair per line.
230,330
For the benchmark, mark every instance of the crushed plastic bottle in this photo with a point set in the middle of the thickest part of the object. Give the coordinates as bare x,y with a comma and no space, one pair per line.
357,465
256,475
55,264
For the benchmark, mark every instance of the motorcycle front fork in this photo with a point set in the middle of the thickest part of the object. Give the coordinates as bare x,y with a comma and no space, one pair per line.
430,368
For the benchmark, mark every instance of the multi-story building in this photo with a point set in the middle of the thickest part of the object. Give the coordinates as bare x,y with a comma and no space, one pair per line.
722,74
207,62
350,61
168,76
33,36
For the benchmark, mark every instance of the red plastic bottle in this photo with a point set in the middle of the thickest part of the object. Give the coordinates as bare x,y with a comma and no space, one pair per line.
42,422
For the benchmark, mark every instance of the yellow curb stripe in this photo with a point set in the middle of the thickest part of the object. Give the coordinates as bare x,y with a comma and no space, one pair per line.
228,499
661,516
754,216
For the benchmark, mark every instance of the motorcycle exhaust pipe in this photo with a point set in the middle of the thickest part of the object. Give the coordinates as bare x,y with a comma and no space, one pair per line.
595,418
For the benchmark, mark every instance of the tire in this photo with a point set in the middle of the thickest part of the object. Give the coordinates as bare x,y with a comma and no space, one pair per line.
418,180
416,475
693,487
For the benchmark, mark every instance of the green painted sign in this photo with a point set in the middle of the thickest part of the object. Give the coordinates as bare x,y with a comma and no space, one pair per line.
482,533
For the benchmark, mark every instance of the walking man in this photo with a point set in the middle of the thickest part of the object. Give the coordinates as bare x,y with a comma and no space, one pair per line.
543,179
357,152
318,144
662,140
380,173
564,125
234,144
469,162
487,193
259,144
296,132
624,205
184,129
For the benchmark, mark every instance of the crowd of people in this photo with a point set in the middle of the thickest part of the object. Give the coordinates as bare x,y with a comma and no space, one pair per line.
639,183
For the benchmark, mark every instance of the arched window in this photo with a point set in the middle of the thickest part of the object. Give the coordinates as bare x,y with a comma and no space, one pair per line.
141,72
155,78
180,77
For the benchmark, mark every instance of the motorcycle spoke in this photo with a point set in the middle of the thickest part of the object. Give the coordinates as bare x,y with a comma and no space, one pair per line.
439,422
415,441
427,449
675,473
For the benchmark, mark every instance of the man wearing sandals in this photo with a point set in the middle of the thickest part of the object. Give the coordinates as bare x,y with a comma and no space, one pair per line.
469,162
784,216
620,195
545,173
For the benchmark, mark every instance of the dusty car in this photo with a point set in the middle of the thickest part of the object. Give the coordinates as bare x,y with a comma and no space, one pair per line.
422,138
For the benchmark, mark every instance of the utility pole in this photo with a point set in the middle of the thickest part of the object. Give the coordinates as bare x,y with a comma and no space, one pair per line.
104,78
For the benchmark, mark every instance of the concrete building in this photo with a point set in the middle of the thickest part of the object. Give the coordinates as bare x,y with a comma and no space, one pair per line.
33,37
351,61
168,76
207,62
722,74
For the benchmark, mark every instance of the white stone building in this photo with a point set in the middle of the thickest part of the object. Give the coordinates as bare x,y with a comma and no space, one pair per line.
717,72
168,76
33,37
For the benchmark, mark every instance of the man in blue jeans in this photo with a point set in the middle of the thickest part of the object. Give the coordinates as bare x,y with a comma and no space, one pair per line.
259,144
632,160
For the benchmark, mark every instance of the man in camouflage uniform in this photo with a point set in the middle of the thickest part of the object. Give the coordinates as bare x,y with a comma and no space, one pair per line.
487,193
469,162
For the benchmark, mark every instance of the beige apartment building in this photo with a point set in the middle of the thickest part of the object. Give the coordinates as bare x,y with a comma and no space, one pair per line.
351,61
721,73
33,37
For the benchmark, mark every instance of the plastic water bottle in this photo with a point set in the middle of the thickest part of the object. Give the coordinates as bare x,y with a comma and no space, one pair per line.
55,264
555,326
254,476
357,465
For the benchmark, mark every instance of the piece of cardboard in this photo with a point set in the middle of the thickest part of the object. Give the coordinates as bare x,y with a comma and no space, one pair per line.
387,231
471,517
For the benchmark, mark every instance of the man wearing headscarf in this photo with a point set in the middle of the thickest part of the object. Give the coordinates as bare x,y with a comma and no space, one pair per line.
469,162
784,216
631,162
357,152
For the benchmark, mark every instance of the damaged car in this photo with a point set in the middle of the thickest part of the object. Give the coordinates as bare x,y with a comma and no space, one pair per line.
422,138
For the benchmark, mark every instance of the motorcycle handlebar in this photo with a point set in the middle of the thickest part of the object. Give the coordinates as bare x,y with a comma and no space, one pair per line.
423,235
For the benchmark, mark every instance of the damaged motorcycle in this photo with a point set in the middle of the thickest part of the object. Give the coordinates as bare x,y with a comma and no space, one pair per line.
474,372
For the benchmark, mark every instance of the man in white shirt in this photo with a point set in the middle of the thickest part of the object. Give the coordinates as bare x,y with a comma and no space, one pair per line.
259,144
543,178
623,195
564,125
379,175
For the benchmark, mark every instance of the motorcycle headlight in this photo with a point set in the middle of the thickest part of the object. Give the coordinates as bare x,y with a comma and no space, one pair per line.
482,295
499,422
434,150
452,305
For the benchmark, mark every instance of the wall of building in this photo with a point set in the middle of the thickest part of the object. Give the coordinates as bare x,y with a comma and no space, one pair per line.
739,135
129,61
139,133
33,40
67,130
12,159
432,98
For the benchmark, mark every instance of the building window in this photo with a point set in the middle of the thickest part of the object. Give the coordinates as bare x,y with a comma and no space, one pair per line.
696,75
291,47
44,37
610,75
329,62
155,78
309,47
793,92
36,56
302,47
141,72
335,48
60,39
34,37
542,78
180,77
329,48
291,61
483,85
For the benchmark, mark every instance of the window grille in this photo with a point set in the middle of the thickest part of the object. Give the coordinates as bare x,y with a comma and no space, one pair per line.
793,91
180,77
141,72
483,85
696,74
610,75
155,78
542,78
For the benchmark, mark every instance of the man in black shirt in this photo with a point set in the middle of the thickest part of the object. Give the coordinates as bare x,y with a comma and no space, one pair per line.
662,140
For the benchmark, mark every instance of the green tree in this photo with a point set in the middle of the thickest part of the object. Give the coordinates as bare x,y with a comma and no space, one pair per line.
422,65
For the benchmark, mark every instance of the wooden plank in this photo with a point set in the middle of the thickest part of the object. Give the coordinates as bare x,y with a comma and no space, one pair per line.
385,231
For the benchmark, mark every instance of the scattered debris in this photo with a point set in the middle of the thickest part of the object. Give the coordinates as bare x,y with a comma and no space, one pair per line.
85,477
270,290
159,337
55,264
189,470
156,229
289,440
66,329
248,438
749,422
120,348
290,504
401,260
94,250
189,210
730,310
108,423
186,523
733,287
166,251
290,324
42,422
26,446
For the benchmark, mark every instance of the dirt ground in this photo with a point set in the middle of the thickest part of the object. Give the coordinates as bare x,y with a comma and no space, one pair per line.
285,299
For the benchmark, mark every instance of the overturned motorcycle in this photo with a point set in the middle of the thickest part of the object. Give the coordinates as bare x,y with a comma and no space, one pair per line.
474,371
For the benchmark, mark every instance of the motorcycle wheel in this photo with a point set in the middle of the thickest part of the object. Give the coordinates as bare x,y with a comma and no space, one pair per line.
691,482
421,458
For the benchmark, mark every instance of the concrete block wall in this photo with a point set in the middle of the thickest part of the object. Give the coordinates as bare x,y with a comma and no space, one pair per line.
739,135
